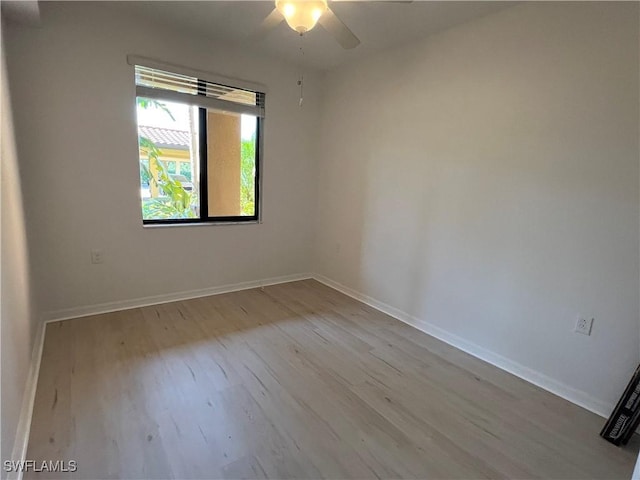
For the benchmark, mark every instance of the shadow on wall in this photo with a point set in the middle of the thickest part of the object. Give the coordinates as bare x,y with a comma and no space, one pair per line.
18,319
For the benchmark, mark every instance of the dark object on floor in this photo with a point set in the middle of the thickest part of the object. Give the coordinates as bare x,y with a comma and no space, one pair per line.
626,416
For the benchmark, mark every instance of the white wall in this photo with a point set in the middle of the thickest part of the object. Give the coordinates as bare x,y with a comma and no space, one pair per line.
75,119
18,316
485,181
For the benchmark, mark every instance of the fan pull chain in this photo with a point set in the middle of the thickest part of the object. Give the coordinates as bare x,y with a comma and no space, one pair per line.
301,84
301,78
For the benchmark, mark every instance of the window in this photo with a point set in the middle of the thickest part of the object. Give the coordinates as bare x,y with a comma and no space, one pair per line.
199,148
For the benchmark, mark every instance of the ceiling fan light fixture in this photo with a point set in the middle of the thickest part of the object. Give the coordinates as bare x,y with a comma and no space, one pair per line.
301,15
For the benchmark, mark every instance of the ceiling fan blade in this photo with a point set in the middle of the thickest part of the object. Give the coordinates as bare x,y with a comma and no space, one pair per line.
270,22
339,30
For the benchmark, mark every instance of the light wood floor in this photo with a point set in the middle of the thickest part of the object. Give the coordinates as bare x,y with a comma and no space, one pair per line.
296,381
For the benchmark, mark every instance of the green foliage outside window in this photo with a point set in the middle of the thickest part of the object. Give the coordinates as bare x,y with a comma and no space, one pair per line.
177,202
247,176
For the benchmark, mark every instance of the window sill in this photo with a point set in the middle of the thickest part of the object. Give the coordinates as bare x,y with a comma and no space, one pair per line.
198,224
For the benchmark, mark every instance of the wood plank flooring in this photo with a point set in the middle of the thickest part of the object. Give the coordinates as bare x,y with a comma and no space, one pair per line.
296,381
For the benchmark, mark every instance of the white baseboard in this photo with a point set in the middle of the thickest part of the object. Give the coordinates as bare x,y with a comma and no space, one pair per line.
543,381
19,452
87,310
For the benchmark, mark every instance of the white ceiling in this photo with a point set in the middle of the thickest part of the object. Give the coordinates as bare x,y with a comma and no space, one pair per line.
379,25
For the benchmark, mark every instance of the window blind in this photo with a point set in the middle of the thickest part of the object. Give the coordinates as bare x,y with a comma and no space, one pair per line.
178,87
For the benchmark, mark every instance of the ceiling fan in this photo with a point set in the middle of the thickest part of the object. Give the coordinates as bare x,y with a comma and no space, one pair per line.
302,16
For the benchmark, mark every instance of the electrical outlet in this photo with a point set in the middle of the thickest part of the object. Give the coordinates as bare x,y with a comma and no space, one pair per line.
97,256
583,325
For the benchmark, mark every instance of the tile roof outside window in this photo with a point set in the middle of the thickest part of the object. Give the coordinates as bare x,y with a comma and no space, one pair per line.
166,137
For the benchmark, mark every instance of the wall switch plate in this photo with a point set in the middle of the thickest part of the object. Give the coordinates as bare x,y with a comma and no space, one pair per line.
97,256
583,325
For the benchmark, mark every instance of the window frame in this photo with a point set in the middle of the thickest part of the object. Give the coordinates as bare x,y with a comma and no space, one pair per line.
203,190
